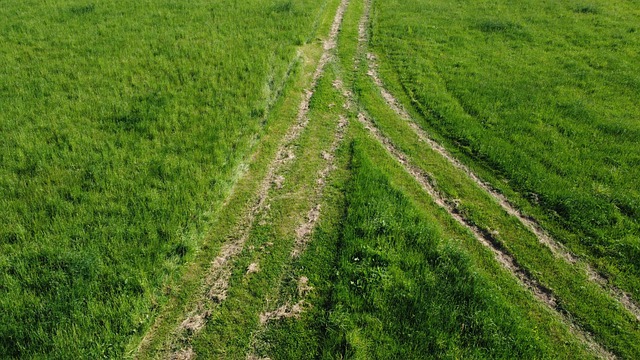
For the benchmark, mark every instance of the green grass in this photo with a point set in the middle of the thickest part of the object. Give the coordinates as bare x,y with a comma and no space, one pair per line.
589,305
123,125
392,283
540,97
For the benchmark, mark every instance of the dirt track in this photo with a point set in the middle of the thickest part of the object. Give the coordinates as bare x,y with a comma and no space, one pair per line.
542,293
217,278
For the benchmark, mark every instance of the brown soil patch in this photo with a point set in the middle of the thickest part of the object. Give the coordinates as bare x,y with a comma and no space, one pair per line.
253,268
284,312
184,354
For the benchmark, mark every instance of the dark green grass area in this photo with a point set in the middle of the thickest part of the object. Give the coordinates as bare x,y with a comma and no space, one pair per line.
540,94
390,285
122,126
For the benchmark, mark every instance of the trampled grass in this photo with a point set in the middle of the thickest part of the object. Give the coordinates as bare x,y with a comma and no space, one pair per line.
122,127
541,97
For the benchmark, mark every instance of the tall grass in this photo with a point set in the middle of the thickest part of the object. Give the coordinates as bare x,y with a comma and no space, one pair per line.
542,95
121,126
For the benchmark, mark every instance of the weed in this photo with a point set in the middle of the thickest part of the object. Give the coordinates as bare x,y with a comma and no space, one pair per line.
587,9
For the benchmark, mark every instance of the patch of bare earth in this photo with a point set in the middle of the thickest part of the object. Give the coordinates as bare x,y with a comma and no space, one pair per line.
184,354
283,312
253,268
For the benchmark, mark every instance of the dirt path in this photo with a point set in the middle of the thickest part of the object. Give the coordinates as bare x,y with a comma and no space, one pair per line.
216,282
304,231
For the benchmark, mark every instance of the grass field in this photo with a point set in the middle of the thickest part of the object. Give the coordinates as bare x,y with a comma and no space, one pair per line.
123,125
539,96
223,179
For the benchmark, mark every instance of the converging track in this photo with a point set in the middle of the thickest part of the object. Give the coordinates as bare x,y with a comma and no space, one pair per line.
216,281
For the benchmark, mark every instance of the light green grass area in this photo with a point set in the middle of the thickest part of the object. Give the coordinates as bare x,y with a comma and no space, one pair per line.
122,128
541,96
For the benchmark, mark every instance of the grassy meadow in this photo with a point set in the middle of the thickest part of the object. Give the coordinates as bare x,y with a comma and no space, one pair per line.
139,140
541,97
122,126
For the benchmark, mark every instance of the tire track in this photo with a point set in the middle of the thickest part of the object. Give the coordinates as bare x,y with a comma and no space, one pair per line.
239,172
303,234
542,293
216,282
557,248
304,231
